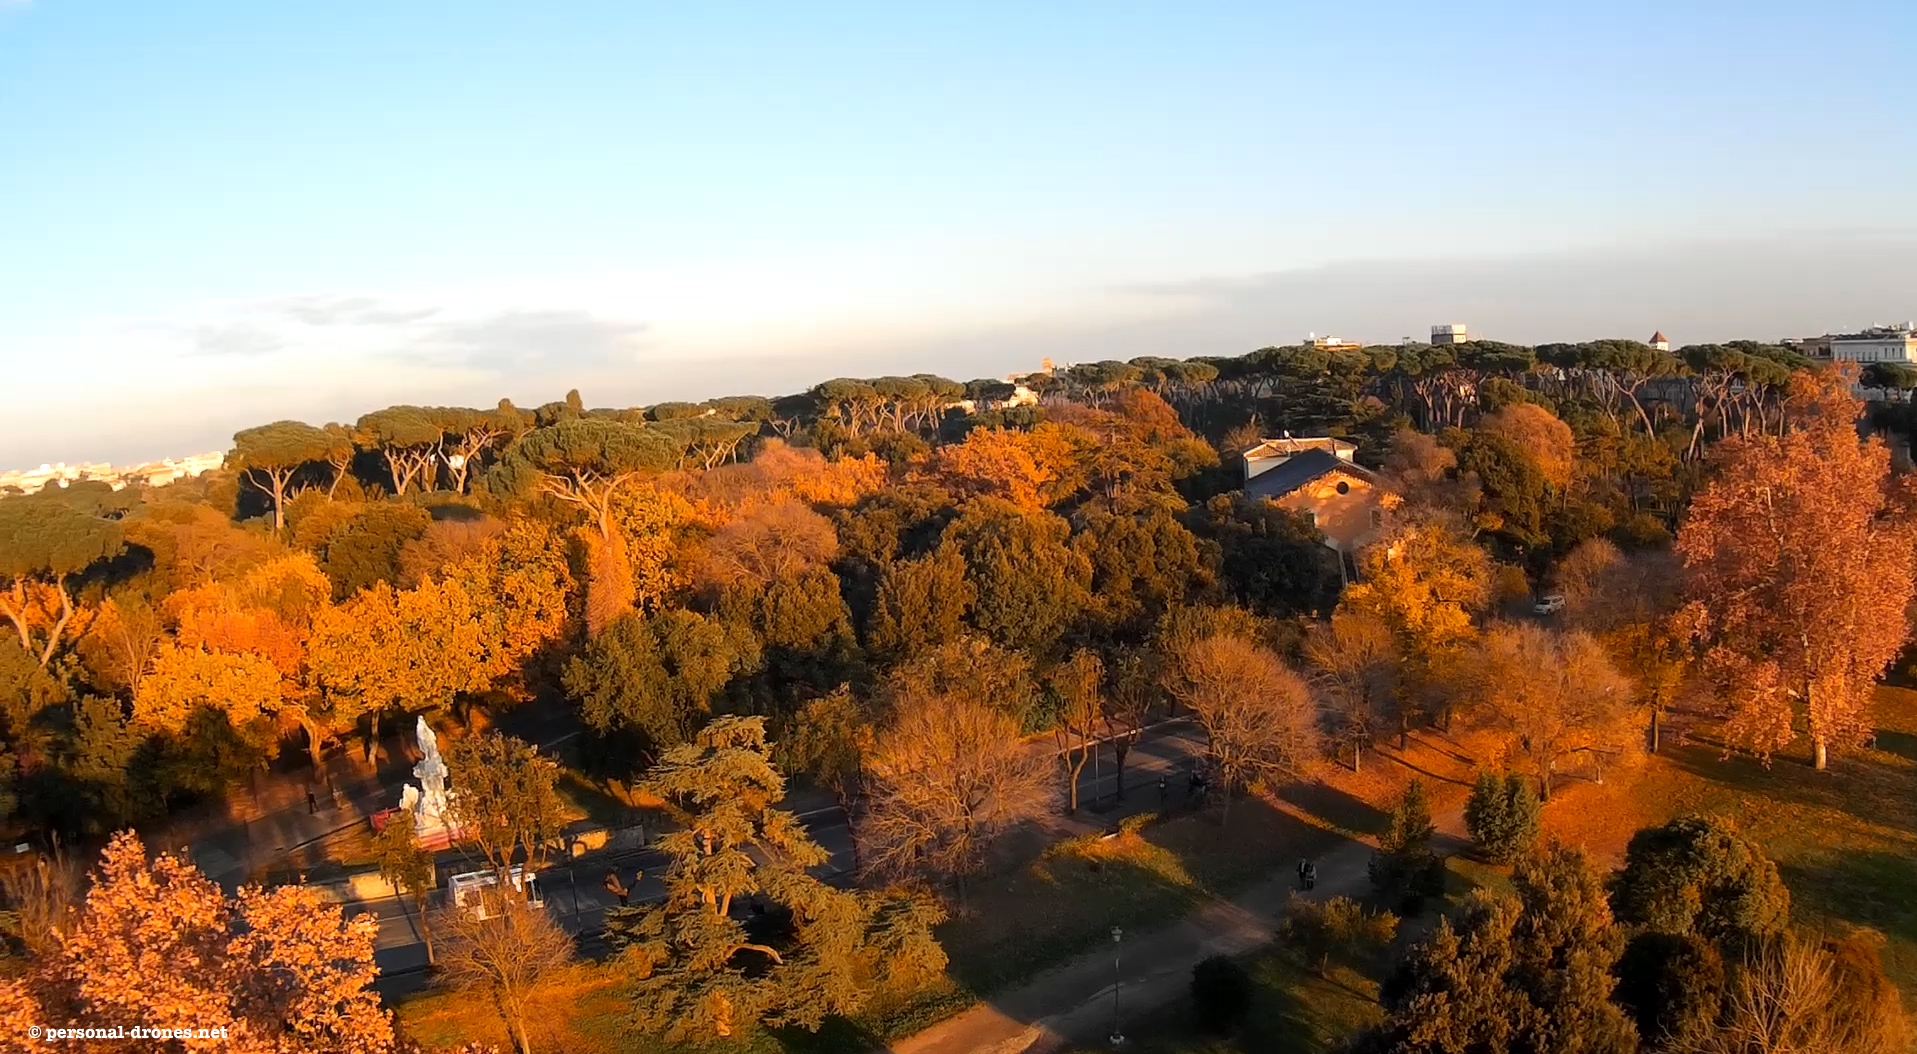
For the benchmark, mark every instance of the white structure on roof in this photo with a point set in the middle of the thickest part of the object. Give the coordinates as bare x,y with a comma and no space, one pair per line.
1274,452
1659,342
1330,343
1450,333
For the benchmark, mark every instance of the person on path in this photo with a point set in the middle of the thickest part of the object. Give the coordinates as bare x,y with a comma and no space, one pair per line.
1302,865
1311,876
312,803
1164,791
614,887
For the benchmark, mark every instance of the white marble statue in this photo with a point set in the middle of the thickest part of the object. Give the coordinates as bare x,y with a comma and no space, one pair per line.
427,801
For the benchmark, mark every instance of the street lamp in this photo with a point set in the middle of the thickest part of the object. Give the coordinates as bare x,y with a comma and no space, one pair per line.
1118,938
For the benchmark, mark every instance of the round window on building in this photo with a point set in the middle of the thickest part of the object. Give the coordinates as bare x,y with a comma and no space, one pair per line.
1343,487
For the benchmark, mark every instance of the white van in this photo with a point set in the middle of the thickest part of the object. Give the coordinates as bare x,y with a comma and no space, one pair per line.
467,891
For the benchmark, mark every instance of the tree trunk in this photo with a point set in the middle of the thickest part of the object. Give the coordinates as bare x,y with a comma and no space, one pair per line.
425,927
313,743
1357,757
1820,752
1120,748
60,625
1657,728
279,478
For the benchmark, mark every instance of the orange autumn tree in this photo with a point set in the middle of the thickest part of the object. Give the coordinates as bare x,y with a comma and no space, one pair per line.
1800,569
264,616
1032,470
159,944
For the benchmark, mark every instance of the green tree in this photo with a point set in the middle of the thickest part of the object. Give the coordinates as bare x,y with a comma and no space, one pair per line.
1141,565
1502,815
1030,587
1526,974
366,548
828,740
410,441
1698,875
584,462
804,634
505,800
1405,870
1339,927
700,972
921,602
1271,560
589,463
654,676
1670,984
407,867
45,540
269,456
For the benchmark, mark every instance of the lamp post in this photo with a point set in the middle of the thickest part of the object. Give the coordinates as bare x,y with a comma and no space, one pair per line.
1118,937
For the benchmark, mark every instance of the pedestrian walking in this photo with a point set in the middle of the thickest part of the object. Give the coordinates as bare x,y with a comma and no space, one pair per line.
614,887
1302,865
1164,791
312,803
1311,876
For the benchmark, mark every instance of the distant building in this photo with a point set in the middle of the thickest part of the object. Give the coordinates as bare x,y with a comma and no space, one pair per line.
1809,347
1330,343
1657,341
1876,344
151,474
1318,479
1450,333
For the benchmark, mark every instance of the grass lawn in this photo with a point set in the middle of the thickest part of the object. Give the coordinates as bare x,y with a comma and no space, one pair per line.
1069,898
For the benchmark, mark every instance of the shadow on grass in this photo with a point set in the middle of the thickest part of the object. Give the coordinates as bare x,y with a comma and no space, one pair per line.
1336,807
599,804
1292,1011
1874,889
836,1036
1902,744
1863,785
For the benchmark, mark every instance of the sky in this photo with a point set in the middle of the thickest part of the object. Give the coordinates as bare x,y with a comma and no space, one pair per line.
217,214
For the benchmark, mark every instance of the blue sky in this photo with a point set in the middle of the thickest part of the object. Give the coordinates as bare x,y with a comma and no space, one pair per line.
217,213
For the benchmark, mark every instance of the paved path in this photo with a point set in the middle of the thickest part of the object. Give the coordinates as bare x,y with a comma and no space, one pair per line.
1073,1003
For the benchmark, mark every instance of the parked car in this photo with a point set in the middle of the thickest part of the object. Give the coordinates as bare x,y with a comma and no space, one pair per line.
468,891
1549,604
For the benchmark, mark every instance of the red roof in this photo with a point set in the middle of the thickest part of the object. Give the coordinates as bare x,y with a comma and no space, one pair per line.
1658,338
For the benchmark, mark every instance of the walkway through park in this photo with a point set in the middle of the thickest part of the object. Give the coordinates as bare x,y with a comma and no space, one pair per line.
1072,1004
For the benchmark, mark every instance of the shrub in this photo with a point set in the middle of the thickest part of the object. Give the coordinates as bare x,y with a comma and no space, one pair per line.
1220,994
